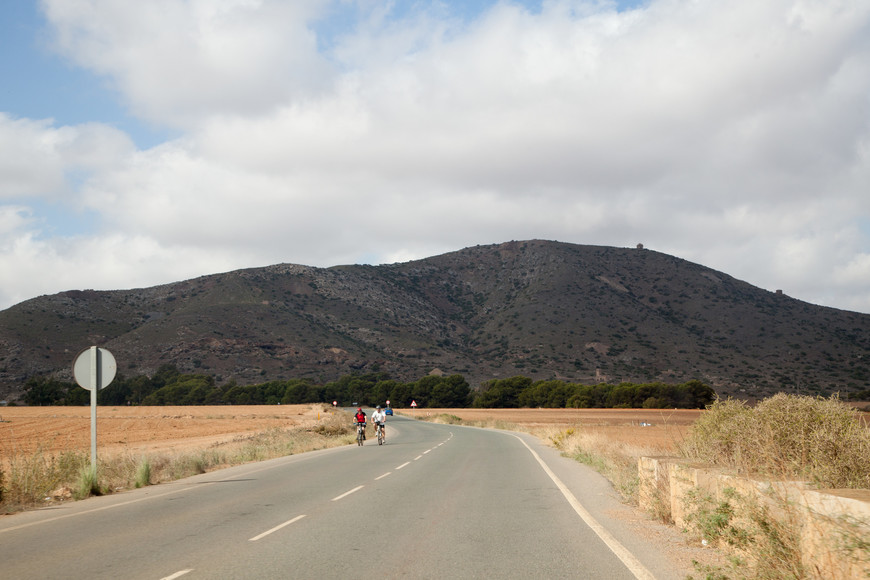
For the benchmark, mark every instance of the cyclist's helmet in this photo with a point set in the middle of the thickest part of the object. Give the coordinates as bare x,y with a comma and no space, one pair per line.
359,409
379,407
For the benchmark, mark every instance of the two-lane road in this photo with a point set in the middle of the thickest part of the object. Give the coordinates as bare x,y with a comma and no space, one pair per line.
436,501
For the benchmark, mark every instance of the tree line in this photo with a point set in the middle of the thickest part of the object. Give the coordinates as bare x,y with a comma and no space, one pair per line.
168,386
522,392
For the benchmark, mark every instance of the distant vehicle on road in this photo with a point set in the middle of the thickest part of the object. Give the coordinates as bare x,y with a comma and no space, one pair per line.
388,411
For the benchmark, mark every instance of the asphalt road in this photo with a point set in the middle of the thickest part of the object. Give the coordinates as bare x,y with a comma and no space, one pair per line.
436,501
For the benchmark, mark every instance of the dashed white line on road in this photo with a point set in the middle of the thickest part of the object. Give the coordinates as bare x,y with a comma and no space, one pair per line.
347,493
276,528
403,465
383,476
177,574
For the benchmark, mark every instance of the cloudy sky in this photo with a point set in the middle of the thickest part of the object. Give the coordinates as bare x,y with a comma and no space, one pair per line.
149,142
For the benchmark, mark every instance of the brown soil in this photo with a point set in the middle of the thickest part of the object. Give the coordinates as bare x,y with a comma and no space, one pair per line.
649,428
25,430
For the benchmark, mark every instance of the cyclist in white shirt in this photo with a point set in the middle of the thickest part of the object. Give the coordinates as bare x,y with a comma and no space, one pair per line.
379,418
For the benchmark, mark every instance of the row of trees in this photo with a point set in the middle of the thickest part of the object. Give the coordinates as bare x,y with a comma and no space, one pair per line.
168,386
523,392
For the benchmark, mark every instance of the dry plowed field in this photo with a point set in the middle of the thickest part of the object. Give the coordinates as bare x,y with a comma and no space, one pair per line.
55,429
649,428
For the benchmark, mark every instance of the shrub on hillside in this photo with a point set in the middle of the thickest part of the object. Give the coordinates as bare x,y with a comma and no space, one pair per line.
813,438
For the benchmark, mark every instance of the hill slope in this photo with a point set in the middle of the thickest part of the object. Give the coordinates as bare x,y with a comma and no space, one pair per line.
536,308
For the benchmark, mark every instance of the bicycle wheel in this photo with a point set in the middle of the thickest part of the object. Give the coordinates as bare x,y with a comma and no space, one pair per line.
380,437
359,436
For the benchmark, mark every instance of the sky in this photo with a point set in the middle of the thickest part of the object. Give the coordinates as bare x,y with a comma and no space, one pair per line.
143,143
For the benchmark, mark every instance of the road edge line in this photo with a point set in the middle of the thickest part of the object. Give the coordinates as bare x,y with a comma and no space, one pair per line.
625,556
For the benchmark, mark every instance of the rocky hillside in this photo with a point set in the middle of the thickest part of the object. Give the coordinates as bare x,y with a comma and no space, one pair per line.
536,308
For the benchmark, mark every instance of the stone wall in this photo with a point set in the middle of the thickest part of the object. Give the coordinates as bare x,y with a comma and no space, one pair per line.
830,527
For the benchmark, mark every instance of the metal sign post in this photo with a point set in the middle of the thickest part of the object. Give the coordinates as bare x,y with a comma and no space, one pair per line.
94,369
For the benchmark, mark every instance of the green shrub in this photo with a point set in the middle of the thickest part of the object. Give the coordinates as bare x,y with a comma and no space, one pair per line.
88,484
143,473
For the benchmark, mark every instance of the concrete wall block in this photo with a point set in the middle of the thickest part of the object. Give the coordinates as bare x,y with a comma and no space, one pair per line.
836,532
833,525
654,493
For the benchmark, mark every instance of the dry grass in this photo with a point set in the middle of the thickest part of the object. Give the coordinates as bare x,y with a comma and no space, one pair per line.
785,437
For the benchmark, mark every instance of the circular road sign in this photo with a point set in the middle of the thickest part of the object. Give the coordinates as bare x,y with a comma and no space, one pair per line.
89,360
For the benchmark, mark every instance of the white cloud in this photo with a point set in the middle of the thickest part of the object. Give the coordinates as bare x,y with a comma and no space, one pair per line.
178,62
13,219
38,158
30,164
735,135
34,266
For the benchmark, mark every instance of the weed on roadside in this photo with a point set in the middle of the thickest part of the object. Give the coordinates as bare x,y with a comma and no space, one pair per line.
615,460
447,419
31,478
143,473
87,484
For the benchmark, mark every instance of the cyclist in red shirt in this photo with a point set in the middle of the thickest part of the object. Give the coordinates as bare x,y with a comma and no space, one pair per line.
360,417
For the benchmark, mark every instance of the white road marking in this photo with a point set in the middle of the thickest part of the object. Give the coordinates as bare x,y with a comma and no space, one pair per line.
178,574
418,457
276,528
403,465
383,476
347,493
630,560
427,451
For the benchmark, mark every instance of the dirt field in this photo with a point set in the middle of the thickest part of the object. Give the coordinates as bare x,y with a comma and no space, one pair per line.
54,429
659,429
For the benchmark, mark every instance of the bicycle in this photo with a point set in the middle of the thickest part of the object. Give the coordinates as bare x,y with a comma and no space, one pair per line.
360,433
381,434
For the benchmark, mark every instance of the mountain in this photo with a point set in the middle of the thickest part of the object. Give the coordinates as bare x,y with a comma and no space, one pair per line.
536,308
